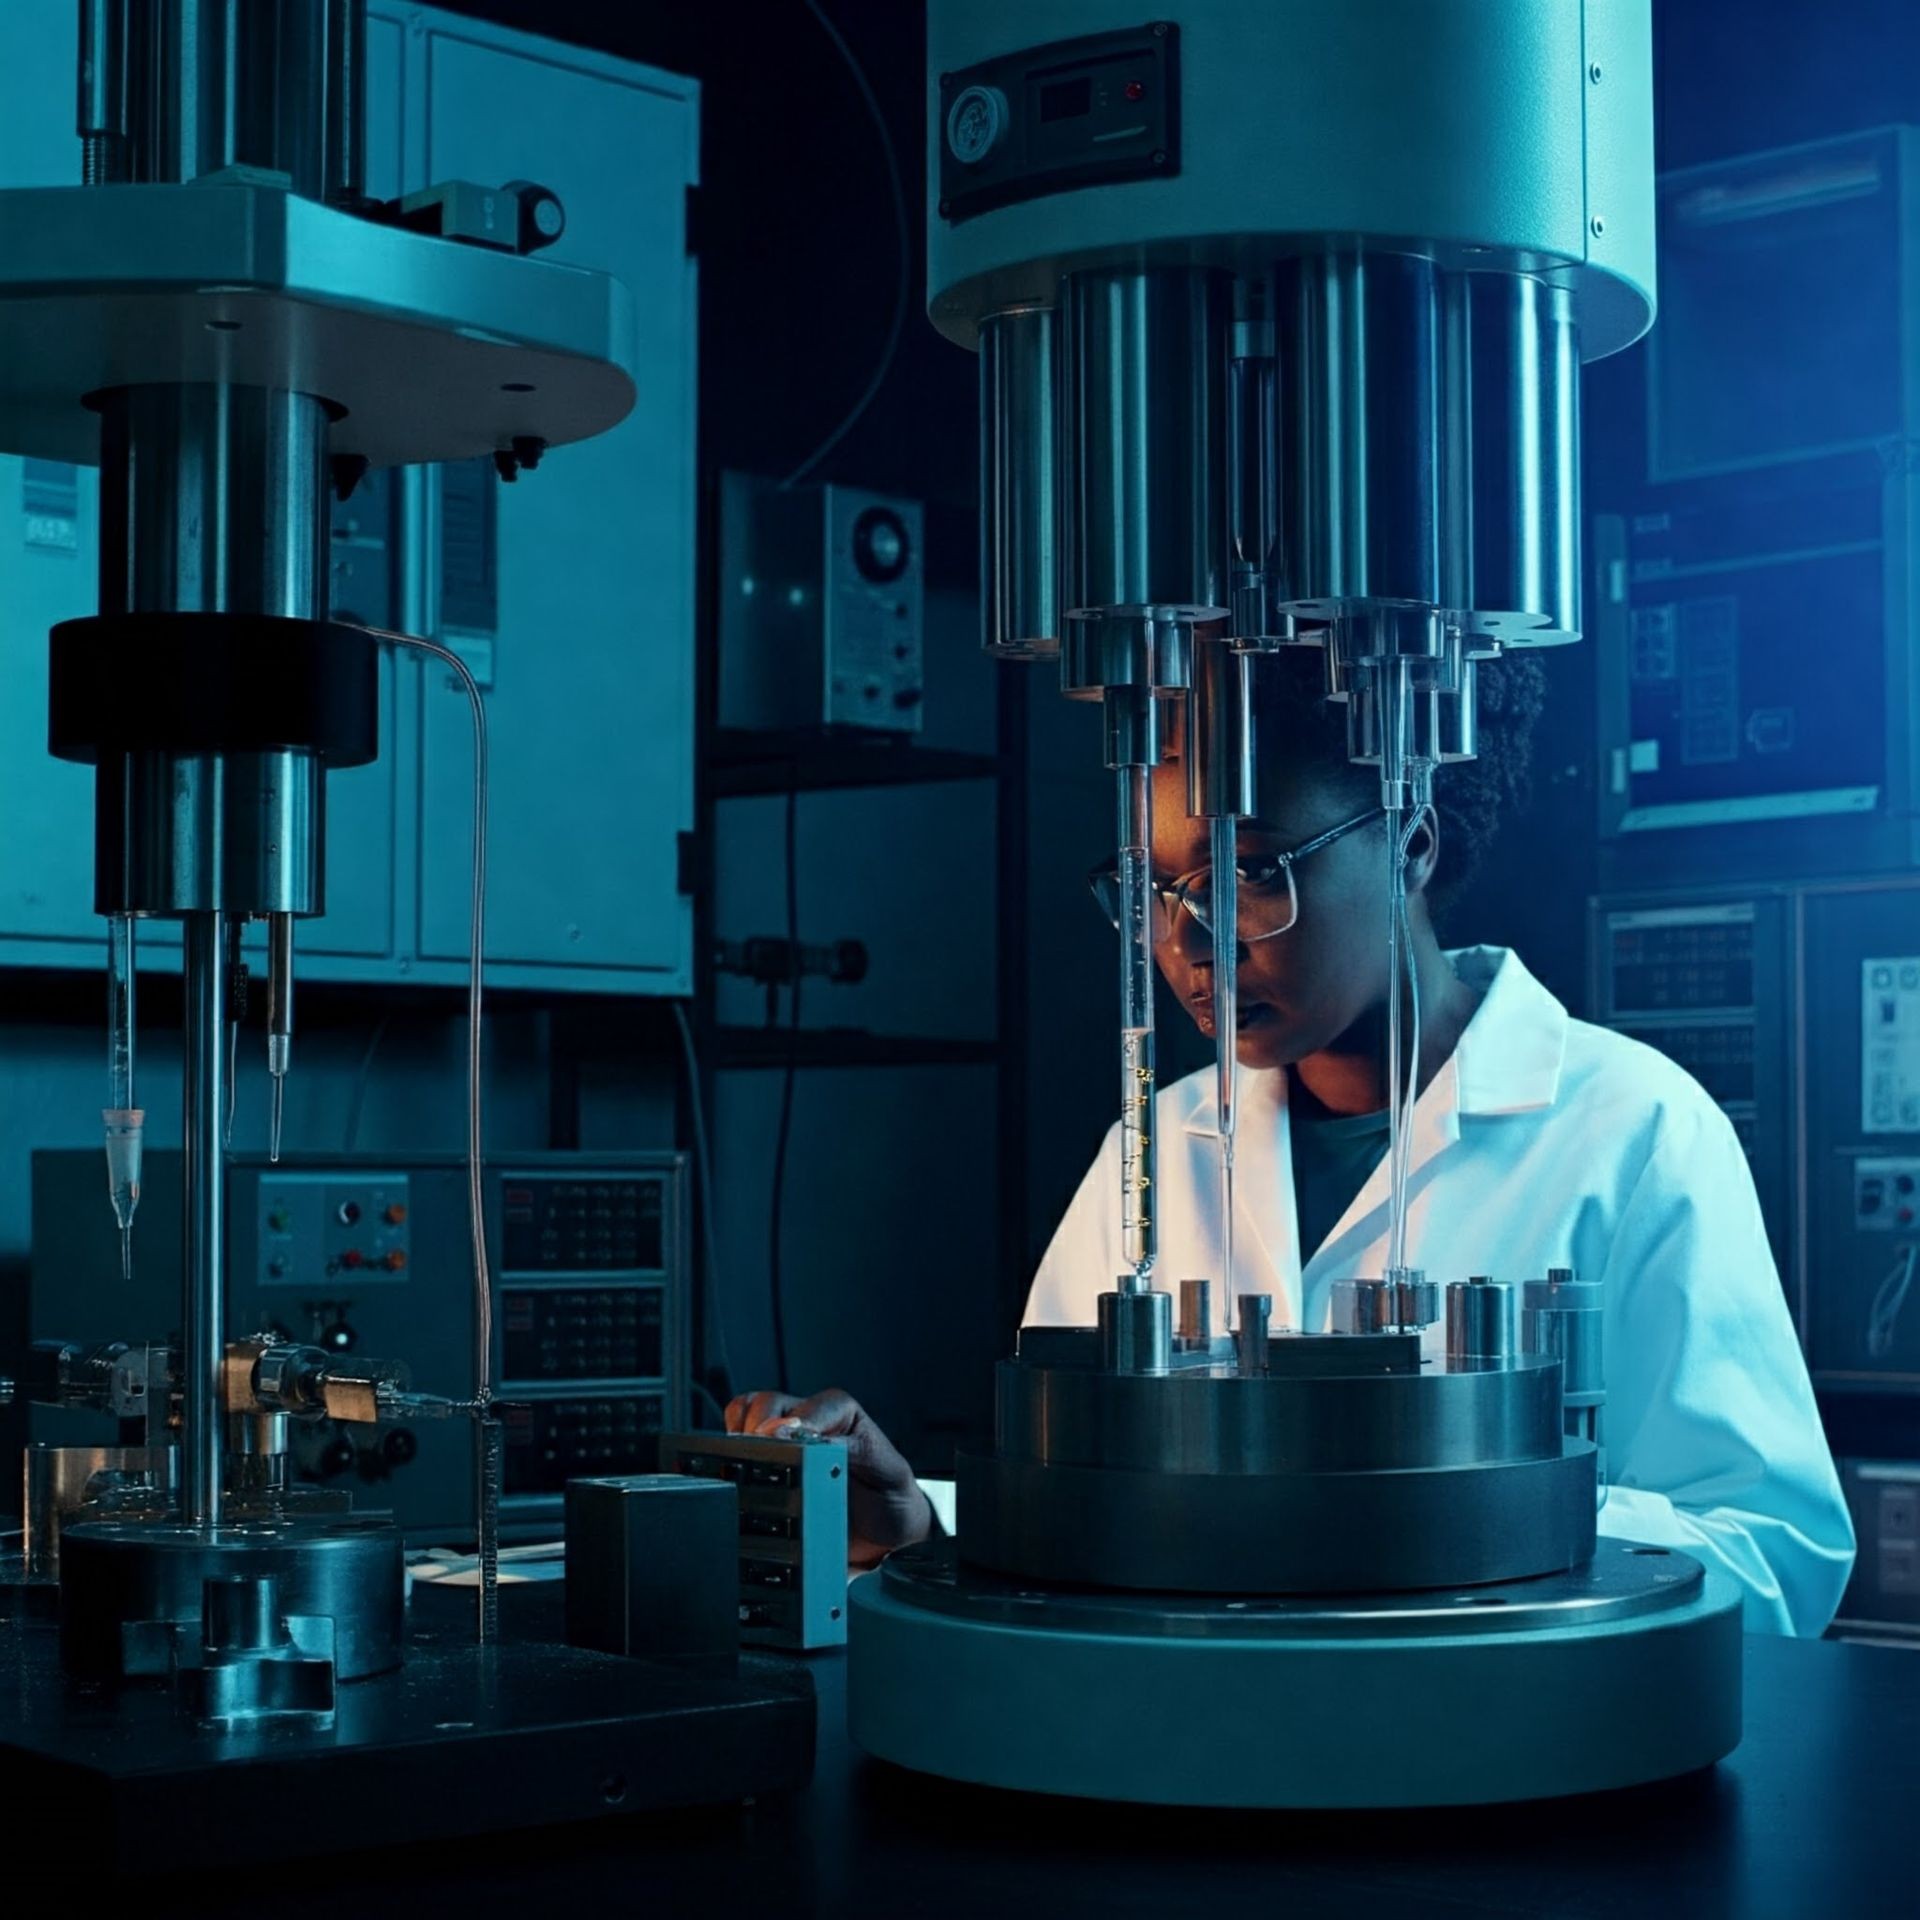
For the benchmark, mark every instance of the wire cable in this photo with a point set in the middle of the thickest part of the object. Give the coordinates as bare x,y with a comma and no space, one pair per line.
903,279
487,1428
783,1133
714,1345
1883,1317
350,1134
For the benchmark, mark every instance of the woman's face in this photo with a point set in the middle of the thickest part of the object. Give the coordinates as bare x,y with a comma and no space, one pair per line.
1302,989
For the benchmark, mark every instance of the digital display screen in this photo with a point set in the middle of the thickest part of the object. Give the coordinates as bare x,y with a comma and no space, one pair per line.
1066,99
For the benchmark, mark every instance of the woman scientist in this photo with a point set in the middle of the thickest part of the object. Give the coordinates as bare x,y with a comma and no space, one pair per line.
1538,1141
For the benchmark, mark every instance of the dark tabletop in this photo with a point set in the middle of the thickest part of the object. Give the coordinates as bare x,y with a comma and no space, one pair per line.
1816,1815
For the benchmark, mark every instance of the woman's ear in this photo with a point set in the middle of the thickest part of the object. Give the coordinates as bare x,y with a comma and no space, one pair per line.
1423,850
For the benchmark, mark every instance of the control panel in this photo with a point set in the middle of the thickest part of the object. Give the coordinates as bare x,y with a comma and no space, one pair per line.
562,1224
1072,113
552,1441
316,1228
1886,1194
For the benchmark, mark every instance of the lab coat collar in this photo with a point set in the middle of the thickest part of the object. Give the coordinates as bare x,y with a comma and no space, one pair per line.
1508,1059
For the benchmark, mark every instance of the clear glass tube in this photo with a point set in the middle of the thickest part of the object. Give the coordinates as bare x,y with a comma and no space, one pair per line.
1138,1233
124,1123
1223,894
1396,1056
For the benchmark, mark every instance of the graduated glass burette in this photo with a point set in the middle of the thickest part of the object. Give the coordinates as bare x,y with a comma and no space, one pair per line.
123,1121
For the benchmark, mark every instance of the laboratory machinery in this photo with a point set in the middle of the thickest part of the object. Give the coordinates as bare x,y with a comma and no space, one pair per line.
1280,312
225,320
371,1253
821,604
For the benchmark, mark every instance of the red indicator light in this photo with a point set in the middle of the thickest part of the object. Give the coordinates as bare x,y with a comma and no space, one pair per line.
352,1258
1135,90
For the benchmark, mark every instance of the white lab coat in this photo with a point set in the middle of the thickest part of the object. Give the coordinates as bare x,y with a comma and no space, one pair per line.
1543,1142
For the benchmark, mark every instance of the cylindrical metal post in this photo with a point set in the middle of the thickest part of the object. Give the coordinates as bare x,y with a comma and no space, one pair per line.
203,1258
1136,1330
1480,1322
270,84
1523,413
101,116
1362,485
1196,1311
1143,430
1250,1331
1019,481
213,500
241,1615
1258,585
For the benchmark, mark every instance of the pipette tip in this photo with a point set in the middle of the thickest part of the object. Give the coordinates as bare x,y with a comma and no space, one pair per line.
273,1129
126,1252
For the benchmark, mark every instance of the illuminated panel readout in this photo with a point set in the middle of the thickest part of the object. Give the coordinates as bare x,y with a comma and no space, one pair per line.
563,1225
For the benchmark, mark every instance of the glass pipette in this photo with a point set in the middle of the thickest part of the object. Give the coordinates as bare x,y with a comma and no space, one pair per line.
1139,1238
279,1019
124,1123
1223,895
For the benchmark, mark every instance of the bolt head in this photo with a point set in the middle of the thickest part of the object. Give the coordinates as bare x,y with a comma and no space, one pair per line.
1599,226
1593,73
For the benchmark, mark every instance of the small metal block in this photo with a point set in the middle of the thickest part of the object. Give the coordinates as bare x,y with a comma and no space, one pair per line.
652,1568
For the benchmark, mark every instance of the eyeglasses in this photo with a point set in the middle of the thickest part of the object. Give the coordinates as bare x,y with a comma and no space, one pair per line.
1269,901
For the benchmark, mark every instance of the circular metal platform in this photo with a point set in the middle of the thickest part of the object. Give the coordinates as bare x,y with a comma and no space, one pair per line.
425,349
1332,1472
130,1588
1624,1671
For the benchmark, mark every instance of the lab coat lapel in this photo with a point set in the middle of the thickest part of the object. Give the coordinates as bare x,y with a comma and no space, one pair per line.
1436,1127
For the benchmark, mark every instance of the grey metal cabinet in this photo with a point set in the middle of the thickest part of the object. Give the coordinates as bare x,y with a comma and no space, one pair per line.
570,593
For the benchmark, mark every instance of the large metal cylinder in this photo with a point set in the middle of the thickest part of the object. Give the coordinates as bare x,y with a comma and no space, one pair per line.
273,84
1521,375
1365,462
1019,485
1143,439
213,500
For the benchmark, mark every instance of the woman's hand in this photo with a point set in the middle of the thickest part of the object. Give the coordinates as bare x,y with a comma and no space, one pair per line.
886,1507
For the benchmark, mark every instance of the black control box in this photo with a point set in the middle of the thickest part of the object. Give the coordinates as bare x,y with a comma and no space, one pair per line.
1074,113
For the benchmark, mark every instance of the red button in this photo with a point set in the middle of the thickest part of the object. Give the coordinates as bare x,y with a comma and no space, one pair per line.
351,1259
1135,90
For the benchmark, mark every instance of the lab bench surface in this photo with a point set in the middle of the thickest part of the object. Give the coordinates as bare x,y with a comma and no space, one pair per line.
1811,1817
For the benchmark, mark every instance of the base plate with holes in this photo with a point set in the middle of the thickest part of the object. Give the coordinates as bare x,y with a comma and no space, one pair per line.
1625,1670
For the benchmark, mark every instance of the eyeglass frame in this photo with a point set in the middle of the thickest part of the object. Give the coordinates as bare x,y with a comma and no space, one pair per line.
1177,893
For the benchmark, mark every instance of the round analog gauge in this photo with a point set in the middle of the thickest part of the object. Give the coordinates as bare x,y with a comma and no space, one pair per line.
975,123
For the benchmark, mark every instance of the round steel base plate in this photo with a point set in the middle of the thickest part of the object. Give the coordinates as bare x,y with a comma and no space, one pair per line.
1623,1671
129,1588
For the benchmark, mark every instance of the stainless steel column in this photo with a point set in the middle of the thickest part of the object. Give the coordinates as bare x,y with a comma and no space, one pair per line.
1522,368
1143,440
261,83
1363,486
1019,485
212,500
203,1108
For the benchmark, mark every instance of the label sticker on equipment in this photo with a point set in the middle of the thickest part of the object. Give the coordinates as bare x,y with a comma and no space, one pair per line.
1890,1045
1709,681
